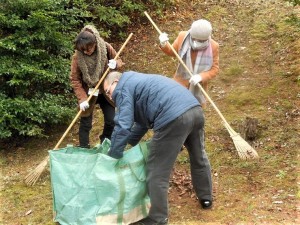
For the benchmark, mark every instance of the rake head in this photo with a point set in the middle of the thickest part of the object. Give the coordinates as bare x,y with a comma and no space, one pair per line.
34,175
245,150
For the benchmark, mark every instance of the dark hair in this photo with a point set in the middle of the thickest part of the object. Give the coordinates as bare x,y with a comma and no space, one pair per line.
83,40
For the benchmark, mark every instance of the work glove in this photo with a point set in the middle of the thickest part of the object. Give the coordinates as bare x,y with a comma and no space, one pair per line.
163,39
195,79
112,64
84,105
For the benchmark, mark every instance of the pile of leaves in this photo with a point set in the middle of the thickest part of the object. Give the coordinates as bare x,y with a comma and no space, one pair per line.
181,181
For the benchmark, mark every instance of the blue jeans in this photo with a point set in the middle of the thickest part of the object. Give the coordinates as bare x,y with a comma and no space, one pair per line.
188,130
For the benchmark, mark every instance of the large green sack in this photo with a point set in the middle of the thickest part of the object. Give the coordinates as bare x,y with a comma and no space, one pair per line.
89,187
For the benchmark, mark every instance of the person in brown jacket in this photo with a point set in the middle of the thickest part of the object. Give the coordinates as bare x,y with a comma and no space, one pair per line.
91,59
199,52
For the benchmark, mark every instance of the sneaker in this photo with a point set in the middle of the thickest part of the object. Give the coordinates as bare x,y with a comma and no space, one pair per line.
149,221
206,204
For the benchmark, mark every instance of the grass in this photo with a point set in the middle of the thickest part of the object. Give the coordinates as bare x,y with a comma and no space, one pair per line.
259,78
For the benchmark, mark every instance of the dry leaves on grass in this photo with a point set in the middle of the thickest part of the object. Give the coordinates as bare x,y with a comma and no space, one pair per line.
182,182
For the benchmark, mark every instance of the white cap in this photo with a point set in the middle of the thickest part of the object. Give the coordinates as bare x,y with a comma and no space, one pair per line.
201,29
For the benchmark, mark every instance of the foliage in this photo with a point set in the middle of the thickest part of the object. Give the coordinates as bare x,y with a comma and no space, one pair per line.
35,47
115,16
294,2
35,51
294,19
245,192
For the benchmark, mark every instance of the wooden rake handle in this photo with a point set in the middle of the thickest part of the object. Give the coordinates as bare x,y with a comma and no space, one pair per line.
187,69
92,93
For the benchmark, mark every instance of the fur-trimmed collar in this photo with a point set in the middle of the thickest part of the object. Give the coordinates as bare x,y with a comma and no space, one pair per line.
92,67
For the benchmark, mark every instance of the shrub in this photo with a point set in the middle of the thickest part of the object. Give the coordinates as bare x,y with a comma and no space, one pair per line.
115,16
294,2
35,49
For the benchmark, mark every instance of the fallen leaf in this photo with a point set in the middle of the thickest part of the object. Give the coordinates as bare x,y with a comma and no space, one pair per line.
28,212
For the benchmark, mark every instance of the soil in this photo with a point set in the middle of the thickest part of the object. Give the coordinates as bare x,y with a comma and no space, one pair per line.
259,79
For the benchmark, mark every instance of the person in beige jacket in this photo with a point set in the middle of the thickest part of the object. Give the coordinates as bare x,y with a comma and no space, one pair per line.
91,59
199,52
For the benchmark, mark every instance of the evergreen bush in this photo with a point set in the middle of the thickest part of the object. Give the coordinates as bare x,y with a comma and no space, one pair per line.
36,44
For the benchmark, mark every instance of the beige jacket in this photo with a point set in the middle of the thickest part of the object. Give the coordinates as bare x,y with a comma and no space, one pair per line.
207,75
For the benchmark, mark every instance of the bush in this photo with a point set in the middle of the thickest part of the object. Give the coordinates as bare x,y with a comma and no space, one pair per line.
115,16
35,49
294,2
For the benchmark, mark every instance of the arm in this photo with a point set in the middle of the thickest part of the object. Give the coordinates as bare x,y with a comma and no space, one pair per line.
137,132
213,72
176,45
111,53
124,120
76,80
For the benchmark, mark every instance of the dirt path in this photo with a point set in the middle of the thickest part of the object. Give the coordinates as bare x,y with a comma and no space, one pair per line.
258,79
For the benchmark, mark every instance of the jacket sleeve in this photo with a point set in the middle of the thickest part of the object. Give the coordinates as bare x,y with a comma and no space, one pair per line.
111,54
124,119
176,44
137,132
213,72
76,80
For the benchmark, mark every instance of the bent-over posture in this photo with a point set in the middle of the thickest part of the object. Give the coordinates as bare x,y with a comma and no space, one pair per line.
145,101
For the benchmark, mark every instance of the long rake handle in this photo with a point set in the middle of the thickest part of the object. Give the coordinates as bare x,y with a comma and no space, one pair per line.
91,95
34,175
190,73
244,149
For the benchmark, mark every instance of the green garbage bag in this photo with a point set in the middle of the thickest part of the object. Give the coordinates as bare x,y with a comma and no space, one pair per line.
90,187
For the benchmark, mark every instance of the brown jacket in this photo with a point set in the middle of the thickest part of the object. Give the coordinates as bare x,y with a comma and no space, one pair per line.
207,75
80,88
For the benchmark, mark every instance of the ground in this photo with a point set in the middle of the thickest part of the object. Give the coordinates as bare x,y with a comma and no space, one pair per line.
259,78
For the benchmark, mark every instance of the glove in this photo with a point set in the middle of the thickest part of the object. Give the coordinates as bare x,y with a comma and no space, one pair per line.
84,105
112,64
195,79
163,38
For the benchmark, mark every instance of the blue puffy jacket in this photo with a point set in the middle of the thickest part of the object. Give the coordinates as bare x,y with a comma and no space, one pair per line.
145,101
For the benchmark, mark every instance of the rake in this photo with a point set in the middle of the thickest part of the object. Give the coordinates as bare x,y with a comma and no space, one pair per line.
34,175
245,151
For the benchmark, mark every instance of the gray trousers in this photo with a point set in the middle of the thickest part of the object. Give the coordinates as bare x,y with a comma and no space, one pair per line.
188,130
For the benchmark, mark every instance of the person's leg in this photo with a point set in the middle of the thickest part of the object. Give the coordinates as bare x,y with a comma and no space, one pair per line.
200,166
109,114
85,127
164,148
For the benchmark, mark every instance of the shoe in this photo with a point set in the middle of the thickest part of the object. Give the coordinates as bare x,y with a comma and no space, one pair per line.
206,204
149,221
83,146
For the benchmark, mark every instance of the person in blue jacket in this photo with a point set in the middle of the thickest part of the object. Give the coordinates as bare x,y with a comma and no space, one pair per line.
151,101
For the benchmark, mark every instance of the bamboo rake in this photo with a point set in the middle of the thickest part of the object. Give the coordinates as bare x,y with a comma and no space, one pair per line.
34,175
245,151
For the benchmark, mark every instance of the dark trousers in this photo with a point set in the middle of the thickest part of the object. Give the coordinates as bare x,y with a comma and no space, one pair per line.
187,129
86,122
